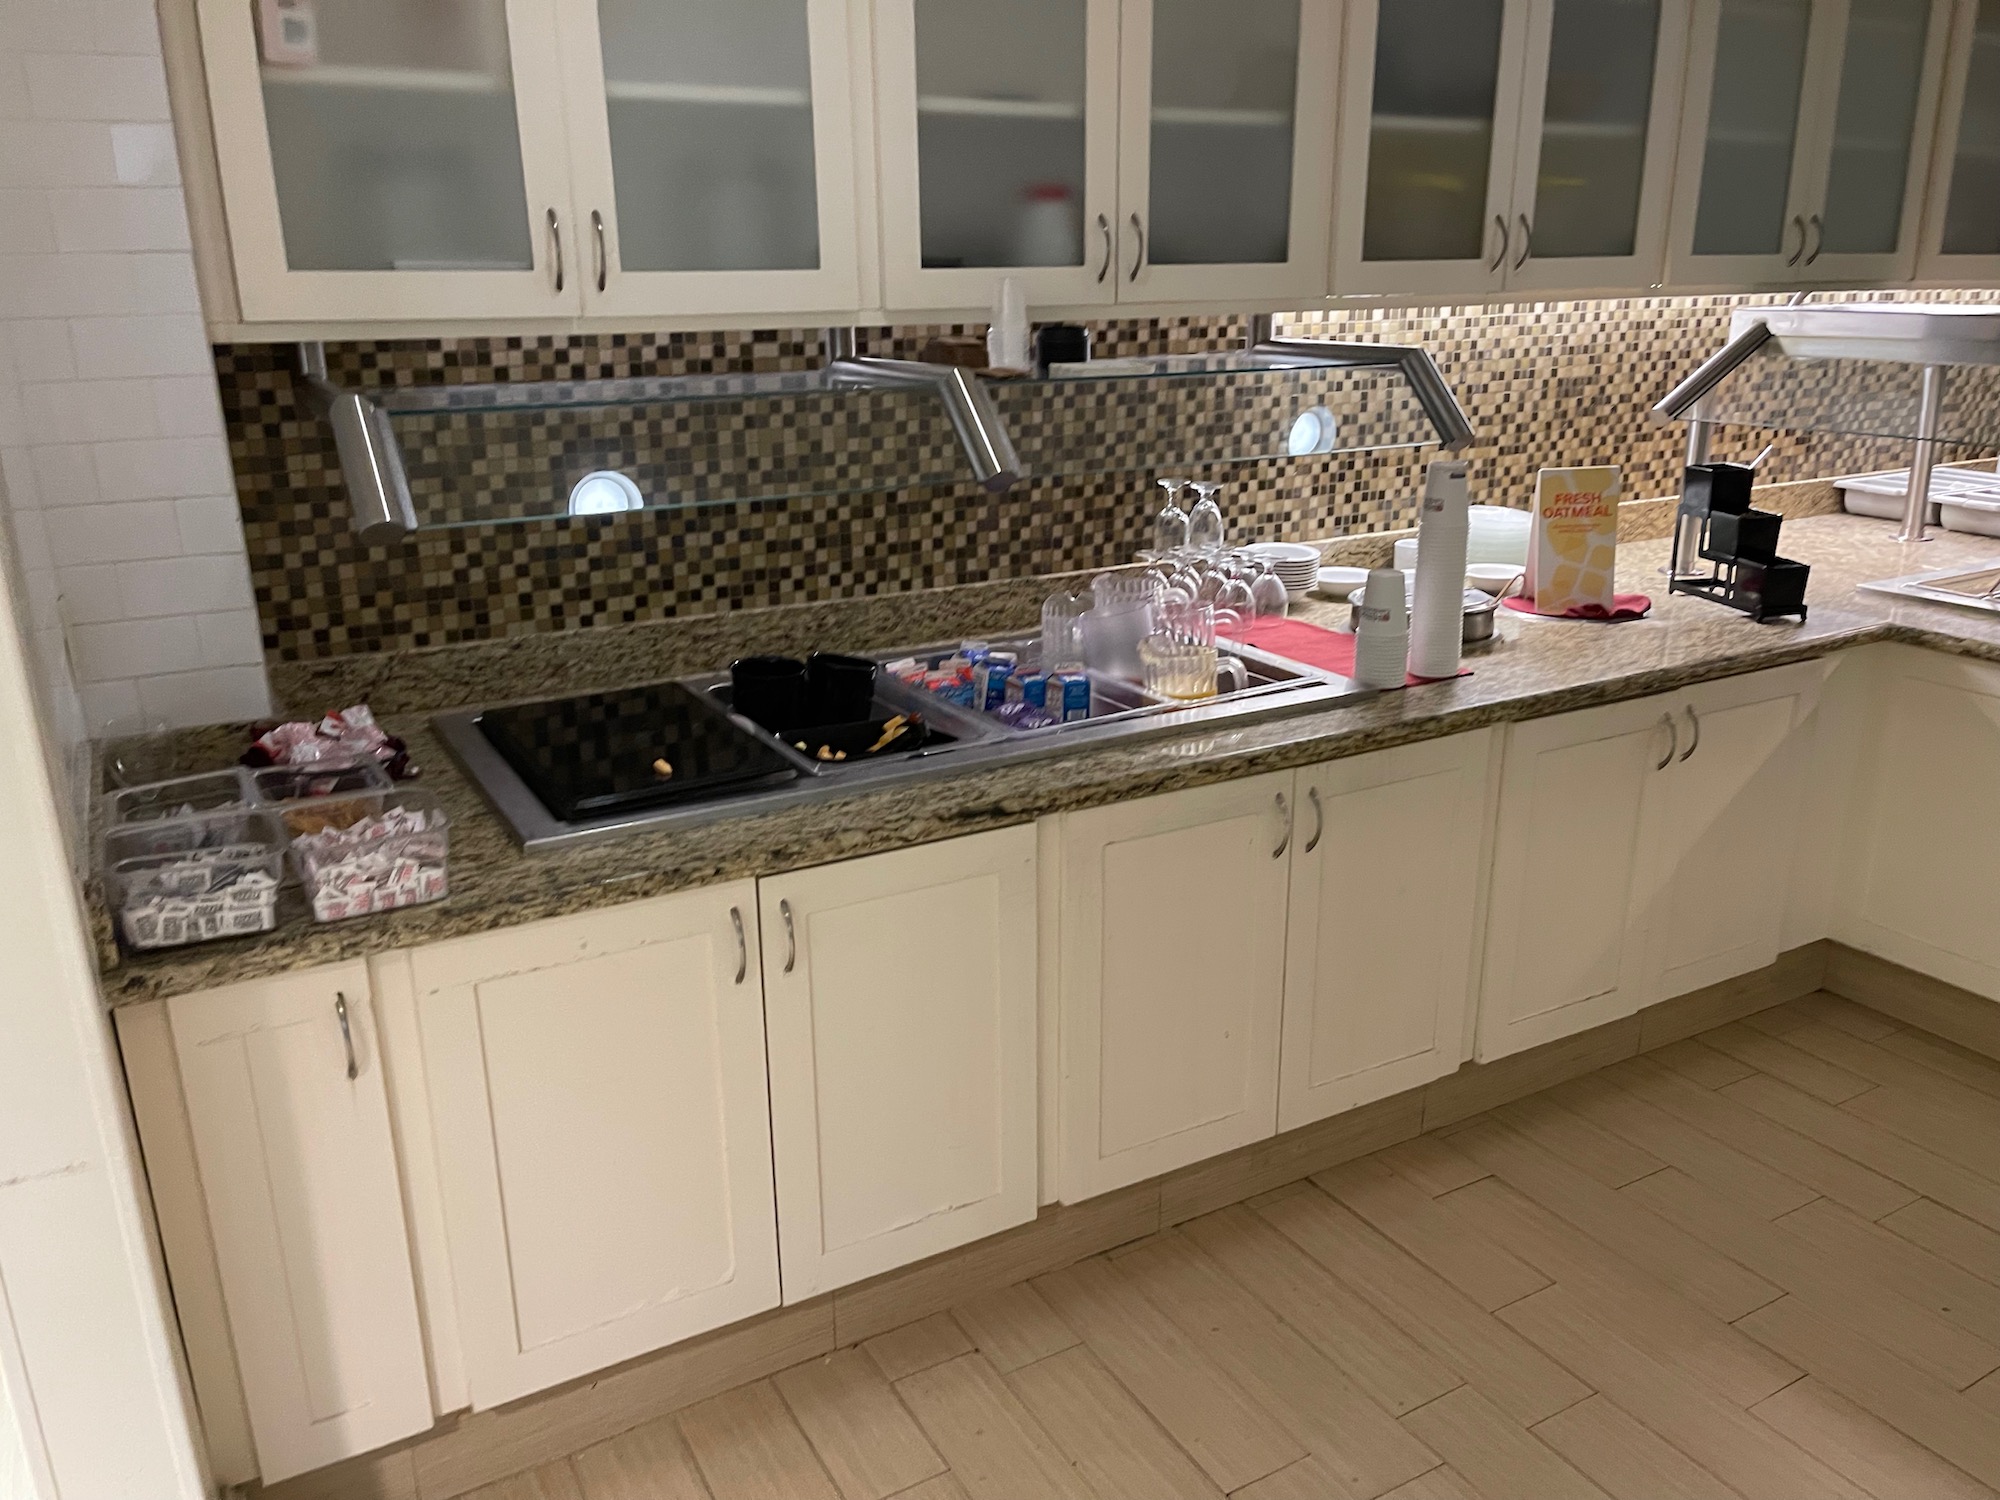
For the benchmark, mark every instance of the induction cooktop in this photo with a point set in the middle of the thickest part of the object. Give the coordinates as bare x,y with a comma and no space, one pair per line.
653,746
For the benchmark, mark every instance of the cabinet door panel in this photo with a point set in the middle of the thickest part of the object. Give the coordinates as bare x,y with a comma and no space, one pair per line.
1924,898
901,1010
1566,937
999,150
1226,147
1728,829
1173,948
1962,227
715,145
299,1175
598,1092
1600,112
1431,109
393,161
1383,928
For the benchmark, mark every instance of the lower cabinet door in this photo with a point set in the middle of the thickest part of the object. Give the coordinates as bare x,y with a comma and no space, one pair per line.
900,1003
283,1084
1727,831
598,1094
1382,943
1172,965
1573,870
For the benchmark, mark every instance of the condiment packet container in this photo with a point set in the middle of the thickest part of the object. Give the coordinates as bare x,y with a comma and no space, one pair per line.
157,801
352,867
193,879
298,793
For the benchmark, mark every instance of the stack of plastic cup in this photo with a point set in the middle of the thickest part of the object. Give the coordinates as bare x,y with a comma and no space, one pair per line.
1437,618
1382,640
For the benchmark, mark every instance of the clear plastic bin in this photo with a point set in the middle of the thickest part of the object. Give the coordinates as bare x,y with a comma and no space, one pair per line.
356,866
303,796
194,879
184,796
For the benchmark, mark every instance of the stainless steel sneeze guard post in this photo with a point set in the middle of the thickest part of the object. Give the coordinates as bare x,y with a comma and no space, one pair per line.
386,506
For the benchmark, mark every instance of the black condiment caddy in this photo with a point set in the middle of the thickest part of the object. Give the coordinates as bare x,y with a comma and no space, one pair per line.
1727,551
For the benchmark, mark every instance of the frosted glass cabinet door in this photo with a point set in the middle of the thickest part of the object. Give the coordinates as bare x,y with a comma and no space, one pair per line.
1432,108
1594,183
714,154
1963,225
387,160
1226,148
1747,182
999,149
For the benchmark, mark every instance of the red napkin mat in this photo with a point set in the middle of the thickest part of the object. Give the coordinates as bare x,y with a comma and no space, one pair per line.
1314,645
1623,607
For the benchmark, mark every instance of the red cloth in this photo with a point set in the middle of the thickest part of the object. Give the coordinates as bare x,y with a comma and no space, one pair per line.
1314,645
1623,607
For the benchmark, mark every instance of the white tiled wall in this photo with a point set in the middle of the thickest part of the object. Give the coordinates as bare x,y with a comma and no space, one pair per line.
111,444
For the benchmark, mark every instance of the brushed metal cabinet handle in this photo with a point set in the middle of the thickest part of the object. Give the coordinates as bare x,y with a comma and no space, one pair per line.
1500,259
1319,819
1104,228
1819,237
555,240
603,259
1139,258
1798,223
1694,723
742,944
791,937
1527,242
346,1035
1673,742
1285,840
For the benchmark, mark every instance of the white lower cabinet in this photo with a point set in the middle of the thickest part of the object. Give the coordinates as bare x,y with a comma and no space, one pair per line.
1172,980
1643,850
1920,891
282,1085
899,995
598,1097
1382,943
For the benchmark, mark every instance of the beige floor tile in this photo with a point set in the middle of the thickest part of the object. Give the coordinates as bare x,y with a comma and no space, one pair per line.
918,1346
1723,1438
1013,1327
1781,1060
1955,1062
1120,1451
1949,1236
556,1481
868,1442
1368,1346
1592,1150
1523,1382
1442,1483
749,1448
1664,1251
944,1487
1829,1173
996,1449
1433,1164
1412,1218
1930,1281
1908,1399
1626,1458
1358,1442
1855,1020
1863,1447
1233,1439
648,1463
1641,1310
1501,1459
1700,1064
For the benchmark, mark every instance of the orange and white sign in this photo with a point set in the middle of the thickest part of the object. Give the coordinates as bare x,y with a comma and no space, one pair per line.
1573,549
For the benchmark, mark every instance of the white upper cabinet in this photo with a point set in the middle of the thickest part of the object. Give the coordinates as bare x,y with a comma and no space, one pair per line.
998,122
1496,144
290,1126
713,154
902,1093
1225,161
1962,224
387,160
1807,127
602,1127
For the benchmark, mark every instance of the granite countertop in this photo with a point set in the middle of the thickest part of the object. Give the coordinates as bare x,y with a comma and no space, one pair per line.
1535,668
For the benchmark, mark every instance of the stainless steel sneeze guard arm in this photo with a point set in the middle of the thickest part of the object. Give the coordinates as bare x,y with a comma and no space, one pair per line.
384,511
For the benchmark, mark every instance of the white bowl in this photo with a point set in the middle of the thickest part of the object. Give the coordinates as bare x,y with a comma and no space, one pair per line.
1338,583
1494,578
1285,552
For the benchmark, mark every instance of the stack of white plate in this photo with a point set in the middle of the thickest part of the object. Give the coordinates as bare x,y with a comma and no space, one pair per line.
1297,564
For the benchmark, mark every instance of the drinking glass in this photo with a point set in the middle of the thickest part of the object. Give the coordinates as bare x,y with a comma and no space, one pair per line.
1187,672
1191,623
1170,526
1235,593
1205,520
1268,594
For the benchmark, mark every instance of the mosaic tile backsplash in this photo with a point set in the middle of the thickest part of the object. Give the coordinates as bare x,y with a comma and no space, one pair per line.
1544,383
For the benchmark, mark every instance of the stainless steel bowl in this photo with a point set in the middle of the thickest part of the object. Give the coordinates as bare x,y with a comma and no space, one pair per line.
1482,612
